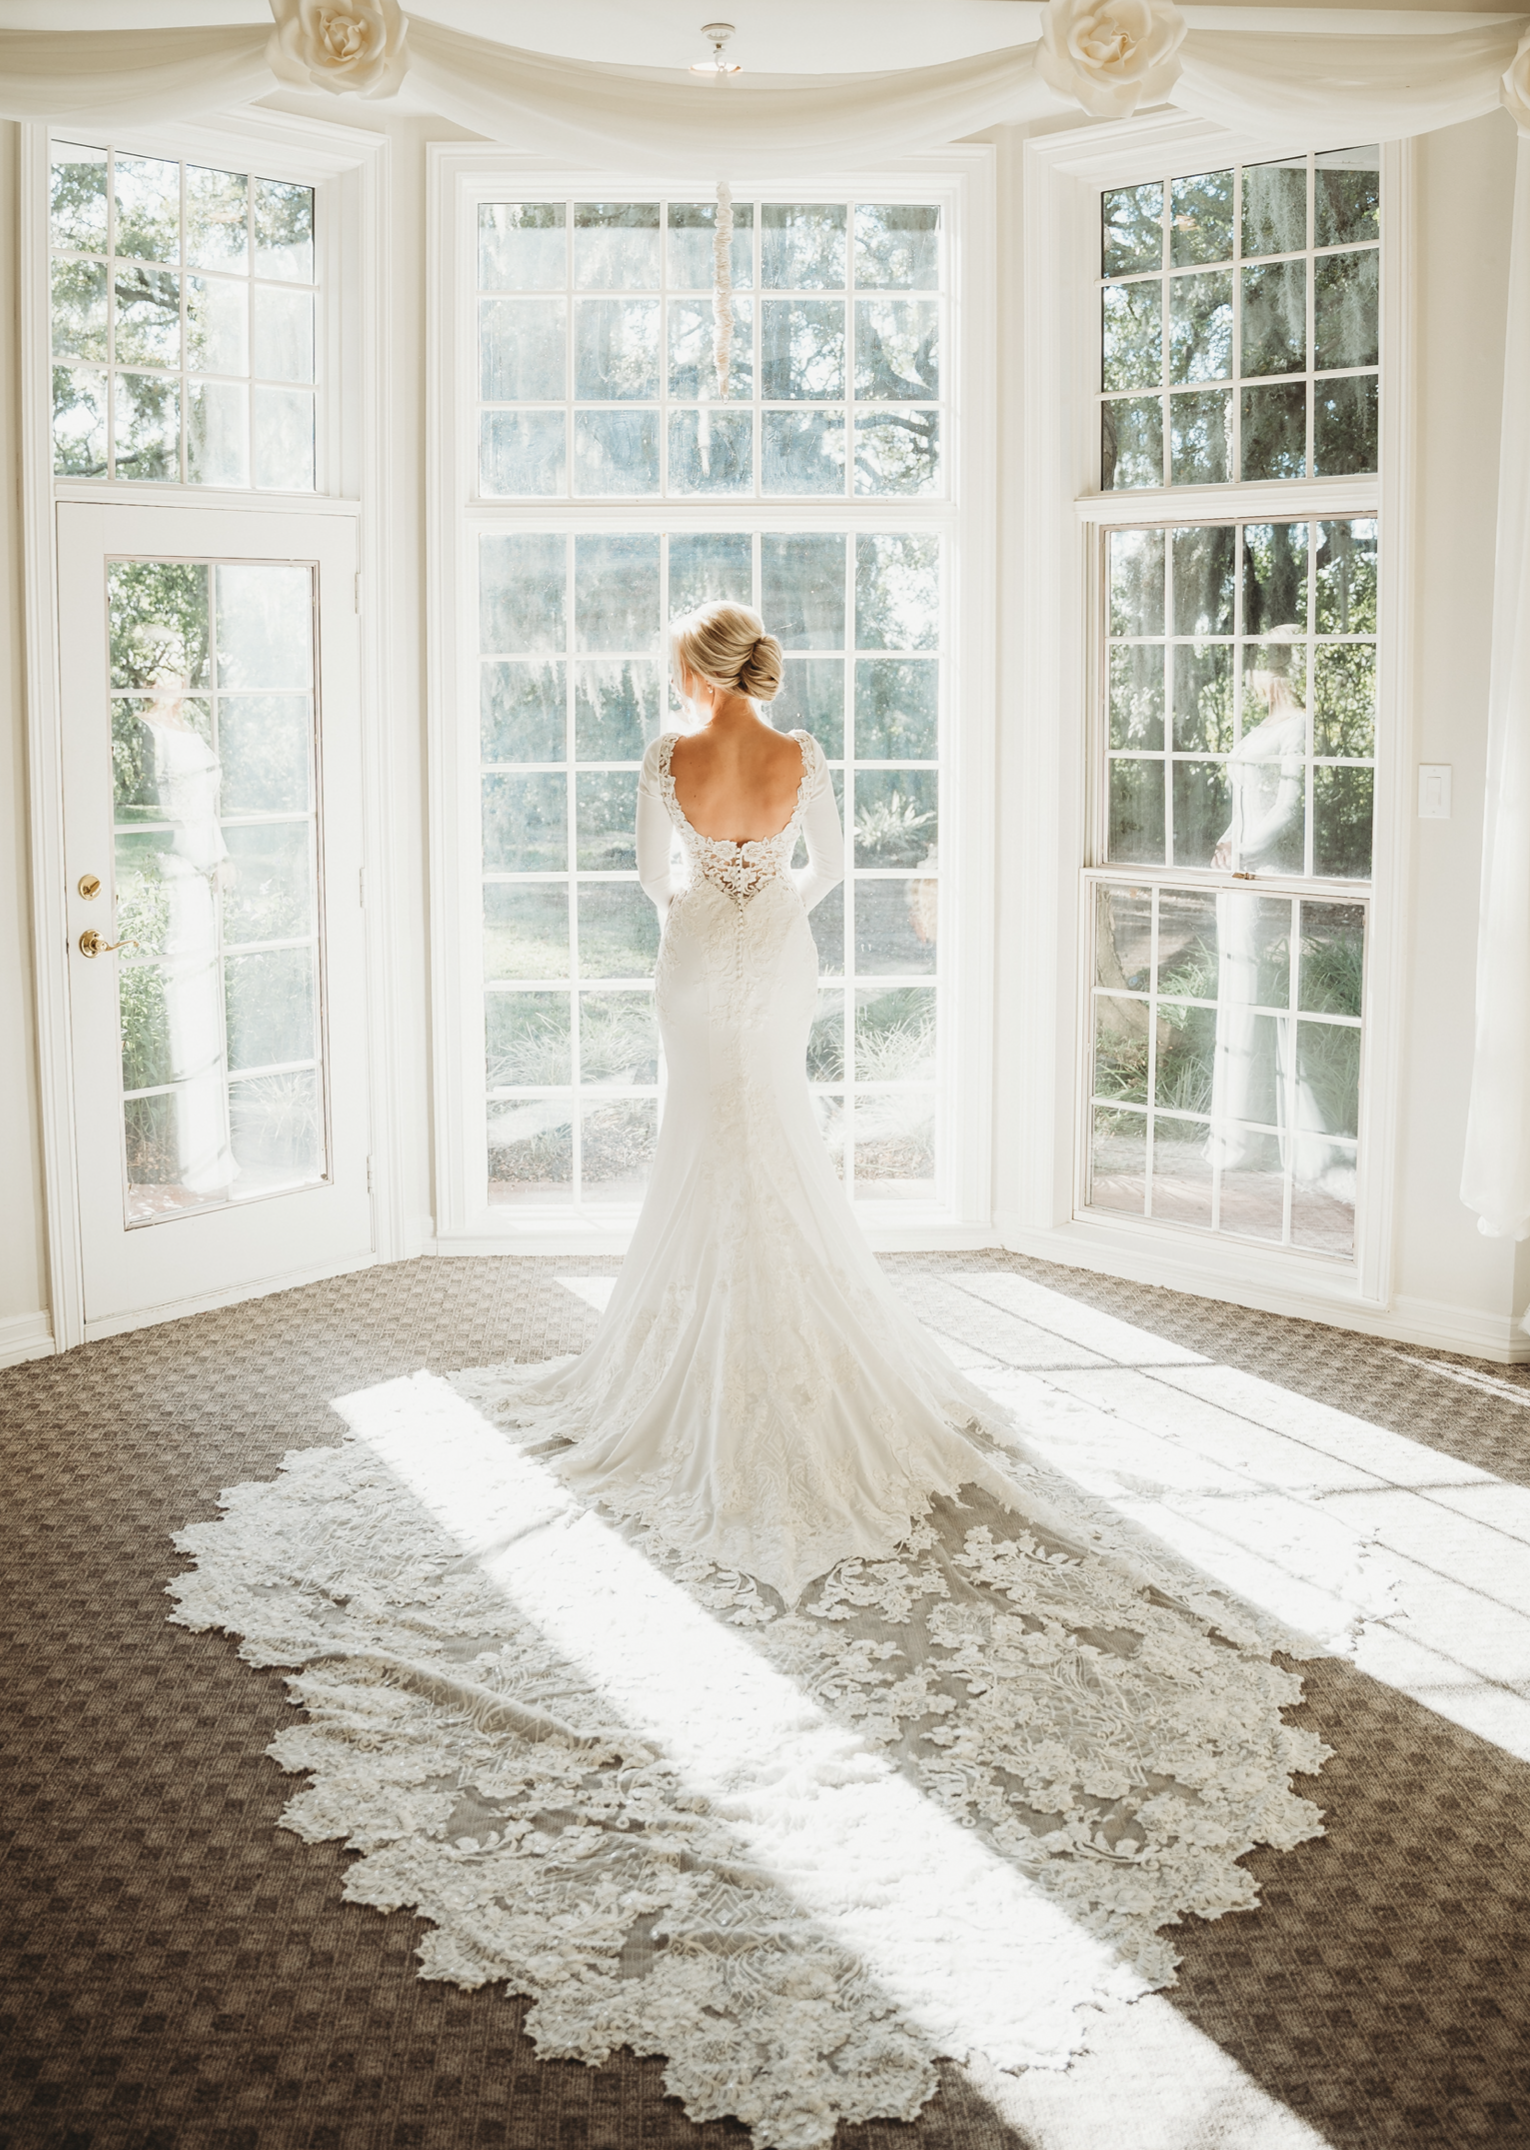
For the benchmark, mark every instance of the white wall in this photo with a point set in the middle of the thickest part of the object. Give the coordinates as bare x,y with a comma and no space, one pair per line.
1448,1281
1465,183
23,1240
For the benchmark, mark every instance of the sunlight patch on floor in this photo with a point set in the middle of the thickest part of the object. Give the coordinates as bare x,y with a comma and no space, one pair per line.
1406,1561
975,1955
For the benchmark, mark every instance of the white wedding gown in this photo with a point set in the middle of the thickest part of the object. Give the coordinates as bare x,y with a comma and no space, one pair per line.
744,1690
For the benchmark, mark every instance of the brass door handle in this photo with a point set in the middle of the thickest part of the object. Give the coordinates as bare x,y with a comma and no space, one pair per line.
91,943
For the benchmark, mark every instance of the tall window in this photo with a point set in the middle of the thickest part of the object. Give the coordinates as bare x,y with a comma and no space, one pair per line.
598,375
183,302
1230,900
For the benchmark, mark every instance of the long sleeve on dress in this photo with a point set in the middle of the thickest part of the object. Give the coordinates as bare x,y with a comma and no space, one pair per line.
654,835
821,832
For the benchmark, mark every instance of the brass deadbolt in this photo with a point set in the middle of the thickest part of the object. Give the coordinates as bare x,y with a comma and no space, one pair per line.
89,885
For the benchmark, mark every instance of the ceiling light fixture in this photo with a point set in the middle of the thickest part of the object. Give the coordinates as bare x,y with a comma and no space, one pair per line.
717,67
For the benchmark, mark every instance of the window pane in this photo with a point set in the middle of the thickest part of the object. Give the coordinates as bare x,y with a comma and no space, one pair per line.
521,593
897,246
1131,335
527,1039
606,814
1202,813
146,309
1118,1161
616,246
711,451
1344,700
618,1038
618,930
1275,432
1275,318
1135,572
1200,335
522,246
1131,442
812,699
1136,810
1200,437
531,1151
692,243
522,454
618,1144
1342,802
79,309
897,592
525,930
616,348
896,355
1332,958
616,586
1348,196
77,188
217,218
897,452
148,218
1131,221
803,246
1204,562
894,927
521,712
896,821
693,350
1344,426
1136,696
803,349
714,564
896,702
522,349
616,710
284,231
1346,578
218,433
802,579
1347,291
525,824
802,451
1275,207
1201,218
1203,697
1274,577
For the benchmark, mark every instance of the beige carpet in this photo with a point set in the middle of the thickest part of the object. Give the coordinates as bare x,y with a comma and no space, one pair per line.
176,1972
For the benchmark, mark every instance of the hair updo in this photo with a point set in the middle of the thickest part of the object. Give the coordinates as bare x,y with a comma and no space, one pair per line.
727,646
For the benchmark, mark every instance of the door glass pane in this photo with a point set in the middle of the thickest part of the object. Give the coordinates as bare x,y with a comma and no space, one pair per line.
216,881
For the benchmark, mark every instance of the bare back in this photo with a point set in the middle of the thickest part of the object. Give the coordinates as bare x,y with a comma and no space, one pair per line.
737,780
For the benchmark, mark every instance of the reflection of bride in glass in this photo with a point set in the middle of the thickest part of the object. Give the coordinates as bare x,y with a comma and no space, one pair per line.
1257,1066
192,870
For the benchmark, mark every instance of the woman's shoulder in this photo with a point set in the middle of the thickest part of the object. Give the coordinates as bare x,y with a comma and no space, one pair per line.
656,756
814,760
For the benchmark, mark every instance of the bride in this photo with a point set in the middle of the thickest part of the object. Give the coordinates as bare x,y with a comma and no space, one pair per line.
755,1391
745,1690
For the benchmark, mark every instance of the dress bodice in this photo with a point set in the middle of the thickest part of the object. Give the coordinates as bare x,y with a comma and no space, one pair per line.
741,870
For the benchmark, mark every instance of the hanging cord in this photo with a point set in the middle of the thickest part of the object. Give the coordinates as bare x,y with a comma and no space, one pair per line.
722,289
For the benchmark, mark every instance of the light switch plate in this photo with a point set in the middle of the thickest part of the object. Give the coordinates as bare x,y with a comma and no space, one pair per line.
1434,791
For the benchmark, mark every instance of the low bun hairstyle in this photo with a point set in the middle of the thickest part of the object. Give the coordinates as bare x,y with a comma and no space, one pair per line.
727,646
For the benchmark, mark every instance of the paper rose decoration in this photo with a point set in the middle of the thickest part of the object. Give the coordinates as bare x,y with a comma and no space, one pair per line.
339,45
1111,55
1516,85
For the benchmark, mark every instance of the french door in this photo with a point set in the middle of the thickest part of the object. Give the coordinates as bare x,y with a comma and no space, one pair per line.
212,843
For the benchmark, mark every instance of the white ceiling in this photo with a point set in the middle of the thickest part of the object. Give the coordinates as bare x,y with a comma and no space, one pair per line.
774,37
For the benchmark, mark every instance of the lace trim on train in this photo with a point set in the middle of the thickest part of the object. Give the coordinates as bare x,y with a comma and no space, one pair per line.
1119,1750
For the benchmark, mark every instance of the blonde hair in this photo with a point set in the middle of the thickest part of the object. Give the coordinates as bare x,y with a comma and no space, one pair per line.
727,646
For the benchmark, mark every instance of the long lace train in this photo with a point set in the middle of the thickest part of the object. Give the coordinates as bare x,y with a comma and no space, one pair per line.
943,1804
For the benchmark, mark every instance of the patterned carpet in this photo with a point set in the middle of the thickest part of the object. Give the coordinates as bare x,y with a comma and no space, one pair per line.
175,1972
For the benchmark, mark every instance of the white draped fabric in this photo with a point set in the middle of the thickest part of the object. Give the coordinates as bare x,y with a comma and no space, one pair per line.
1319,84
1299,85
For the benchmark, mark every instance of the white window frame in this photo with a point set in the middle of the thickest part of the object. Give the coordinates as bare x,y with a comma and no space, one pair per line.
962,181
350,171
1048,798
